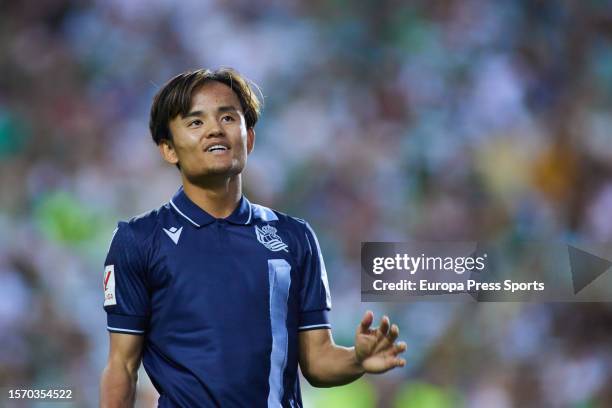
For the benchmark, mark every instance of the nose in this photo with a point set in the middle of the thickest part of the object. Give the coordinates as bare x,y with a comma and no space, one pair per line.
215,130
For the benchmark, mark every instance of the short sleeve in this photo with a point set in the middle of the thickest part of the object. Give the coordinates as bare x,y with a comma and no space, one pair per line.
126,295
314,292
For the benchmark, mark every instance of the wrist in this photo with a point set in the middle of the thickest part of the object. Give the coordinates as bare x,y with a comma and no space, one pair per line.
357,362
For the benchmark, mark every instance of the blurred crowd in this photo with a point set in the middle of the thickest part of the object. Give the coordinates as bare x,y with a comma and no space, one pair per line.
382,121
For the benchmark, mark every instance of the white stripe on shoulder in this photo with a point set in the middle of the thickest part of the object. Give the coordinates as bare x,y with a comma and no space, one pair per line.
263,213
112,238
186,217
124,330
250,213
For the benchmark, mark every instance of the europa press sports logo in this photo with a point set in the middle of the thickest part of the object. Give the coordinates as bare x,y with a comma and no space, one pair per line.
267,236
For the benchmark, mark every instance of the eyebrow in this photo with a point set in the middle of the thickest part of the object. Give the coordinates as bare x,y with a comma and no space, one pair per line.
220,109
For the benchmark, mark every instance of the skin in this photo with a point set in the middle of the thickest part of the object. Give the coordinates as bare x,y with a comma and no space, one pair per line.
212,180
324,364
118,383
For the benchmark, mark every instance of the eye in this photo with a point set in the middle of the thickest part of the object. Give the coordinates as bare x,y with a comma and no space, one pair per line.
227,118
195,123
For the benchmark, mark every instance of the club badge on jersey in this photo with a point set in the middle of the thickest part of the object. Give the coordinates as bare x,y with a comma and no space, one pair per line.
267,236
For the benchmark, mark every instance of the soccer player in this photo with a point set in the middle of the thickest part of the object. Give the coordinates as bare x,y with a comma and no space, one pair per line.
220,297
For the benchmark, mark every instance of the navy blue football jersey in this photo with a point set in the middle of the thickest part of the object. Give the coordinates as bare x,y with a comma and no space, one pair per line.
219,302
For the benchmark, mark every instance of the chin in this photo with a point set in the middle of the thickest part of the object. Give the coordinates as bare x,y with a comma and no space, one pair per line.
219,171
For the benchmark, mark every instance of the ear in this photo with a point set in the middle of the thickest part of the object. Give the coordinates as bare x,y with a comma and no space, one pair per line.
250,140
166,148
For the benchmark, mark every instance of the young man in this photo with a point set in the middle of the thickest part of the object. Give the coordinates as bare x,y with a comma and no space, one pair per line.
220,297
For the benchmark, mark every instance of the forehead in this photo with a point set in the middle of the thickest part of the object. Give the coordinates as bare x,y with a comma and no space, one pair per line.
212,95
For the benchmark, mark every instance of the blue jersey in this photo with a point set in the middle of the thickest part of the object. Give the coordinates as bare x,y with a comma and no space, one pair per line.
219,302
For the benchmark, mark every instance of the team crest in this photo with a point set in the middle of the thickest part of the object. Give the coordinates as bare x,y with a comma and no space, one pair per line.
266,235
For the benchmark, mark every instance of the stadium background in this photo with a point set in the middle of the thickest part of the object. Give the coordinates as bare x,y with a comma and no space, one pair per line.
382,121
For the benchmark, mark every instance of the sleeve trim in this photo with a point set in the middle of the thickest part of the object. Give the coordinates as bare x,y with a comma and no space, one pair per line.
120,330
129,324
313,319
111,311
315,326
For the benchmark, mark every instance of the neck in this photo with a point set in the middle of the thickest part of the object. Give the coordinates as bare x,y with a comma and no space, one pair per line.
219,197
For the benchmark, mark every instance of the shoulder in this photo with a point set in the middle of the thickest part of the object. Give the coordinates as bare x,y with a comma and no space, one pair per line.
298,229
132,239
141,227
263,214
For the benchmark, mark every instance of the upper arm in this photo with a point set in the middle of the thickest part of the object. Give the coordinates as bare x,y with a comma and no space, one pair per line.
314,337
126,350
126,290
315,300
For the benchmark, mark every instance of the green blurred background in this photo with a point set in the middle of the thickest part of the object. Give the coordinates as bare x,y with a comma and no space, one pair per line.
383,121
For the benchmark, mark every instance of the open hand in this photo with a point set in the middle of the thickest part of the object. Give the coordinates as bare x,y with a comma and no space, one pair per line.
376,349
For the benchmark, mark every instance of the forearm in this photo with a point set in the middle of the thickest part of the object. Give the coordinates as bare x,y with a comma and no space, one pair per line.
118,386
334,366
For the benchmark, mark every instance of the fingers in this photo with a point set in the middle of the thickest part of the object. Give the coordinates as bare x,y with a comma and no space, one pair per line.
395,351
387,343
393,333
387,336
366,322
386,360
399,348
385,333
383,329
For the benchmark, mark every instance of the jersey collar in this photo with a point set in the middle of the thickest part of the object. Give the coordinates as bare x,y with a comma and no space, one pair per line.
198,217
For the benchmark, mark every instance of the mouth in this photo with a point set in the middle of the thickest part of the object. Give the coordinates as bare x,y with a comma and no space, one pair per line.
217,148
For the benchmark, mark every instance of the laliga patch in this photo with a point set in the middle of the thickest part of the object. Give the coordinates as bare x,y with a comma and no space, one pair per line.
109,285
